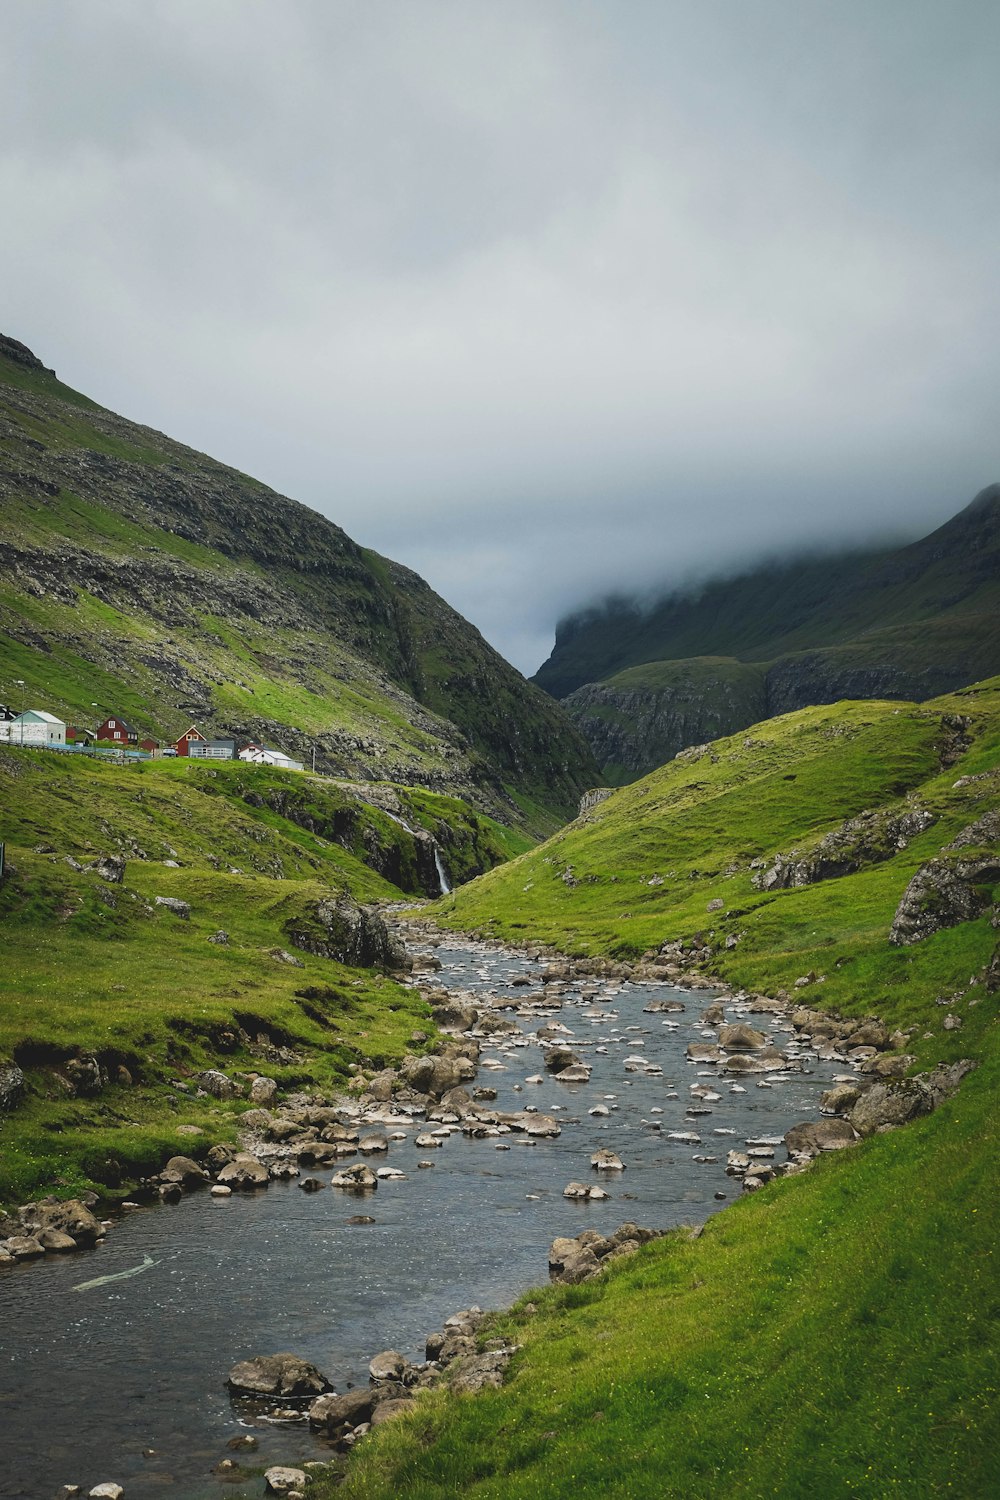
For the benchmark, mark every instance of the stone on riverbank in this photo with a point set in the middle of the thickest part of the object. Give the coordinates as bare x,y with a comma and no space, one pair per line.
820,1135
281,1480
185,1172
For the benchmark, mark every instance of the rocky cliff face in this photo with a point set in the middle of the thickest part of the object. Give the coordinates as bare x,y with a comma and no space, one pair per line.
149,578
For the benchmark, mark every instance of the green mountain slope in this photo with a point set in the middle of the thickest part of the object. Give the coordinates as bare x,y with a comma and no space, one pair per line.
911,623
101,970
146,579
836,1333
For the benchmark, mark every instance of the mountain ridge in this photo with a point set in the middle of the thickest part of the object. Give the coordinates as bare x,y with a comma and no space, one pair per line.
909,622
151,573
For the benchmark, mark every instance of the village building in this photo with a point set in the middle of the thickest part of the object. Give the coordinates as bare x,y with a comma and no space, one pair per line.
212,749
116,732
190,737
267,755
35,728
77,734
150,746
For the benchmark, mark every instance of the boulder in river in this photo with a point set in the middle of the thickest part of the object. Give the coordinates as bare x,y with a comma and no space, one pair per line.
284,1375
704,1052
557,1059
739,1037
578,1073
607,1161
840,1099
356,1179
244,1172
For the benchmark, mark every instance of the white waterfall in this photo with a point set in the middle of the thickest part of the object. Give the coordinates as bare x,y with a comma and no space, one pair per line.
441,872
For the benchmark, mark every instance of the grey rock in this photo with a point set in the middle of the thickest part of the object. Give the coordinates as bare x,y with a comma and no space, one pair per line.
820,1135
244,1172
285,1375
182,1170
281,1480
840,1099
339,928
389,1365
942,894
333,1414
70,1217
11,1087
891,1103
740,1037
387,1411
174,904
219,1084
263,1091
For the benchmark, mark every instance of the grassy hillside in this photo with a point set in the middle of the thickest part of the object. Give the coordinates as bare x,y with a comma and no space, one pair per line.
92,968
143,578
835,1334
913,623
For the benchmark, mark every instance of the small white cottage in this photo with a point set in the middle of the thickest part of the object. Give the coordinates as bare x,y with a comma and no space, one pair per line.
267,755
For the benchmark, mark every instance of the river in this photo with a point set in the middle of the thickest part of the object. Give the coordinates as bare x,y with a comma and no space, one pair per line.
126,1379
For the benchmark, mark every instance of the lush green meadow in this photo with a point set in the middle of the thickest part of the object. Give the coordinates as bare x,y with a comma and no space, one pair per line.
103,969
835,1333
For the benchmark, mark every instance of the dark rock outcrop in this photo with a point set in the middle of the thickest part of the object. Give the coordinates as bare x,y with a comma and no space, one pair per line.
868,839
942,894
339,928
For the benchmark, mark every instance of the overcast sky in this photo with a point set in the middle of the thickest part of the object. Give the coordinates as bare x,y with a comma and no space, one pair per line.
544,298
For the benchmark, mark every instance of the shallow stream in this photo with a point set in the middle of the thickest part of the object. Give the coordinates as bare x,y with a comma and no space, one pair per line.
93,1375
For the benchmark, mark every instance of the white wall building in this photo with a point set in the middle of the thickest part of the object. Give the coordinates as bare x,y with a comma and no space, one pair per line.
34,727
266,755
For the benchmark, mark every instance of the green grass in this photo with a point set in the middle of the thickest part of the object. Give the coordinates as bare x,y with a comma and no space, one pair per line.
103,969
835,1334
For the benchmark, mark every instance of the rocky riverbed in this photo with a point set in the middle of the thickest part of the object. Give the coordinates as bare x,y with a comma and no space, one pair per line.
568,1100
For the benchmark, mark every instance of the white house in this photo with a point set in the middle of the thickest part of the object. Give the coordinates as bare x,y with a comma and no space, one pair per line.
266,755
34,727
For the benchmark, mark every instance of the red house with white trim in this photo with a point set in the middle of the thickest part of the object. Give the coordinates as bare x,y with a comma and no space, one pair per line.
189,735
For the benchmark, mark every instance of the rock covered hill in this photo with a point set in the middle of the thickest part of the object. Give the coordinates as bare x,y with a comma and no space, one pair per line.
147,579
910,623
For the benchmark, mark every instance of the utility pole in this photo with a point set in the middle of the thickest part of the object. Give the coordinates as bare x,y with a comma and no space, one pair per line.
19,682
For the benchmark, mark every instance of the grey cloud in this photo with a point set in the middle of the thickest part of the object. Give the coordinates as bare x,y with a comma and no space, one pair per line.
544,300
